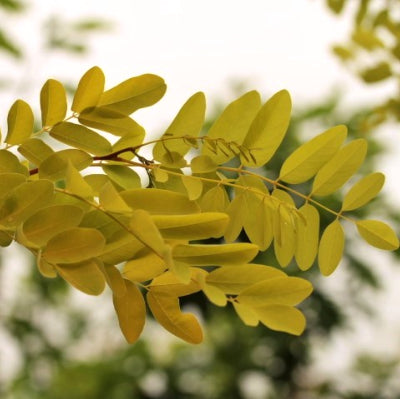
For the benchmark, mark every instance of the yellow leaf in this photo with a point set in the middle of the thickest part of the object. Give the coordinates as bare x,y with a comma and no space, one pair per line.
377,73
35,150
340,168
125,177
111,201
53,102
74,245
20,123
246,314
81,137
9,181
145,230
129,141
214,200
5,239
145,266
89,90
134,93
188,122
49,221
193,185
268,129
96,181
55,166
120,247
279,290
282,318
331,248
24,200
85,276
258,222
237,213
9,163
233,125
76,184
308,159
208,255
181,270
233,280
363,191
110,121
166,311
168,283
114,279
161,175
46,269
159,202
215,295
203,164
307,237
195,226
378,234
131,312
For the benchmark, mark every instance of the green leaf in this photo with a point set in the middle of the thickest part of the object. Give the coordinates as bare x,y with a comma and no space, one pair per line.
24,200
134,93
308,159
268,129
85,276
340,168
35,150
278,291
196,226
307,237
166,311
20,123
53,102
233,125
110,121
282,318
89,90
188,122
81,137
208,255
378,234
363,191
131,312
74,245
49,221
331,248
159,202
233,280
55,166
124,176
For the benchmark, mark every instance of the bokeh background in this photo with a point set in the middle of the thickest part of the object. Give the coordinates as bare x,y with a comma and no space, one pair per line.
340,60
